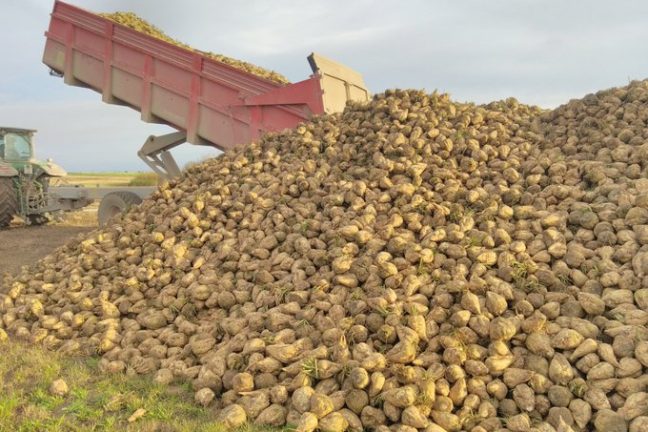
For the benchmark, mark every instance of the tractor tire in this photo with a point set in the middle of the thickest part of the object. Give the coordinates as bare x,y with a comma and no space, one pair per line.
8,201
116,203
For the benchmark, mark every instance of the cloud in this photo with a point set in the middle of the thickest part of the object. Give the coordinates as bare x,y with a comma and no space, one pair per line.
275,45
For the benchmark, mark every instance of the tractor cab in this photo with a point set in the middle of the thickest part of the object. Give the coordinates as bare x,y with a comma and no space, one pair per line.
16,144
17,150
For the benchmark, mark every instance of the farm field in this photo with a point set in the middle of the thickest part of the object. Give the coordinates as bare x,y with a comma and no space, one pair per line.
98,179
108,179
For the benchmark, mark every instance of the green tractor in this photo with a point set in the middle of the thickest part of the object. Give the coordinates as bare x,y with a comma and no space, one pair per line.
24,181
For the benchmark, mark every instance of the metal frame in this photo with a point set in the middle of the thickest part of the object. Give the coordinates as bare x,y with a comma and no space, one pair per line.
156,154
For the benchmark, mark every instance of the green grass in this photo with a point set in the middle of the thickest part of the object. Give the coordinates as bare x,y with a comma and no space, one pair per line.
144,179
96,401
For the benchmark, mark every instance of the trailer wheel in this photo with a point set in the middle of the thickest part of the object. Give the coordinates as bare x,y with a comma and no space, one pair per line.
8,201
115,203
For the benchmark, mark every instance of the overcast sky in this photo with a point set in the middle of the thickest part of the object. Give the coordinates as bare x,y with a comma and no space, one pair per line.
541,52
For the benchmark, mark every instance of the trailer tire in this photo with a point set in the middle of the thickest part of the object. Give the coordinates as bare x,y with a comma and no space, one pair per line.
116,203
8,201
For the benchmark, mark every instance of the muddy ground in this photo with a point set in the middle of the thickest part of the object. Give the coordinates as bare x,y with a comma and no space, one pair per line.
25,245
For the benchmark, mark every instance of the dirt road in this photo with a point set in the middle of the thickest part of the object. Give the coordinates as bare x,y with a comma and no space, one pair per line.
25,245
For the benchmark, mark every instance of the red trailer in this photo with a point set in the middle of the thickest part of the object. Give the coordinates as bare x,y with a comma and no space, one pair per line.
208,102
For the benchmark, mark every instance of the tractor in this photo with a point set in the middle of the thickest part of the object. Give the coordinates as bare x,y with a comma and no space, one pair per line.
24,181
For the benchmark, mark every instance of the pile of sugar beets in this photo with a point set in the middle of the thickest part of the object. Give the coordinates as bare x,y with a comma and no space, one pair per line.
413,263
133,21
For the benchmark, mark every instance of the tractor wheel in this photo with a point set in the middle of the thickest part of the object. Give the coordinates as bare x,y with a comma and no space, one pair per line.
39,219
115,203
8,201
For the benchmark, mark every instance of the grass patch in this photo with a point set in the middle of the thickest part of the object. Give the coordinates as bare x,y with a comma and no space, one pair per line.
144,179
96,401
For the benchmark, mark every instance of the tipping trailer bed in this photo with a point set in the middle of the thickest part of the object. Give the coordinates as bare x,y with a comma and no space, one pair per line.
208,102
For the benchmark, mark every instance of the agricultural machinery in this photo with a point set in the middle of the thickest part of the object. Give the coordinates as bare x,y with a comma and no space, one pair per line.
208,102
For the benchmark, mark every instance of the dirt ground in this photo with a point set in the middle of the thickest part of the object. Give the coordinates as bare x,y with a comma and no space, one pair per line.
25,245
